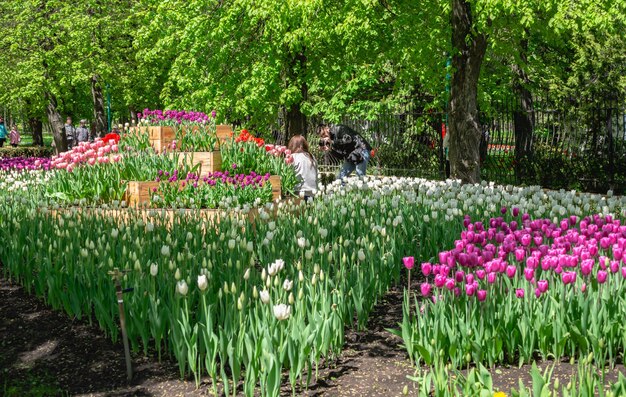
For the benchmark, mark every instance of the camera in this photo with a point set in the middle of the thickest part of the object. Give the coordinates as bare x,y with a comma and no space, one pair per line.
323,143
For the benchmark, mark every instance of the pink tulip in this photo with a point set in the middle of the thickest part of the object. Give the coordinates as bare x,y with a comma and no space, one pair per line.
91,161
537,292
529,273
470,289
586,267
426,268
440,280
469,278
481,294
542,285
425,289
583,287
449,284
614,266
520,254
491,278
519,293
480,273
408,261
459,276
510,271
602,276
624,271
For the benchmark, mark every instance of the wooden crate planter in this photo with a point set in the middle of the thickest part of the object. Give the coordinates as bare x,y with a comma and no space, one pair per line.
276,187
160,137
139,193
209,161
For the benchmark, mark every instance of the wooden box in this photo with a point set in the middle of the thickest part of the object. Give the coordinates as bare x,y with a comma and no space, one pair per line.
209,161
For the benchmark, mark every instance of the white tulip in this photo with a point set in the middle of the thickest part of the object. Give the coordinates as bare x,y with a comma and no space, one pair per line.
287,285
203,283
282,311
182,288
265,296
154,269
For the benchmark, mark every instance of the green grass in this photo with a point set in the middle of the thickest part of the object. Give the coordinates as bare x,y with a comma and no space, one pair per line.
27,139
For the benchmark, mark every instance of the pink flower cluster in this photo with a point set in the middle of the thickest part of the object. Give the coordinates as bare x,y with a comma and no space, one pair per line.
179,116
279,151
96,152
536,252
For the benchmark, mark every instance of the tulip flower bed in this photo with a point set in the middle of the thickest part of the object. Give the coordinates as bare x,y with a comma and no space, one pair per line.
24,163
268,304
508,291
212,190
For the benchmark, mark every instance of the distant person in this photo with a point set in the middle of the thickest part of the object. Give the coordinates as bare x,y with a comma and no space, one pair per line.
70,133
14,136
3,132
82,132
348,145
305,165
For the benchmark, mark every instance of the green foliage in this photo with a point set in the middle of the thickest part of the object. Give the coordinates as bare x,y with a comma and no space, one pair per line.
26,151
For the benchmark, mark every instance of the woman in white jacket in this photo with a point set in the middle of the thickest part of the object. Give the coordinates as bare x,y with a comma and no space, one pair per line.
305,165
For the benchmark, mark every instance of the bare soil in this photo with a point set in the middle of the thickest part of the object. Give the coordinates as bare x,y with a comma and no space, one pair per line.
45,353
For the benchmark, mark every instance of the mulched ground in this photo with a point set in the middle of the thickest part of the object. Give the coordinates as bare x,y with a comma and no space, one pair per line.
44,353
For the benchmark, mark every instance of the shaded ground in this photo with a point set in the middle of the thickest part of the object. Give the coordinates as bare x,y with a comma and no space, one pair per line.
44,353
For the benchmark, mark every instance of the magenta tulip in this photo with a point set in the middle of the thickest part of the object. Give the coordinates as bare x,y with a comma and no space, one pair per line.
602,276
510,271
481,294
425,289
542,285
519,293
426,268
408,261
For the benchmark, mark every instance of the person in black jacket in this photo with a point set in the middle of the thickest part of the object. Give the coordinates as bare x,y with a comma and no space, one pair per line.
348,145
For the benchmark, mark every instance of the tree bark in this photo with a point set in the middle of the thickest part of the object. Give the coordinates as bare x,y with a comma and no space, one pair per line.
296,122
58,128
36,126
523,117
98,106
464,128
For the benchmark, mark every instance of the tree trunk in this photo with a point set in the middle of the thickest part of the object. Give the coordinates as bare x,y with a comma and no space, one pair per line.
98,106
523,117
58,129
36,126
464,128
295,122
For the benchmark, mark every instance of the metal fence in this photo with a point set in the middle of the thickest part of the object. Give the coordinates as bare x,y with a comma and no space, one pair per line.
566,146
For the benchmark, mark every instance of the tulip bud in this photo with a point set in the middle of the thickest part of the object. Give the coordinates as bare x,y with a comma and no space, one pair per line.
177,274
300,276
300,294
246,275
291,298
255,292
321,275
233,288
263,274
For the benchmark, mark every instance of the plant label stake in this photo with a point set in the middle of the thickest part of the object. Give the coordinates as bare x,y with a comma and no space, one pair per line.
117,275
